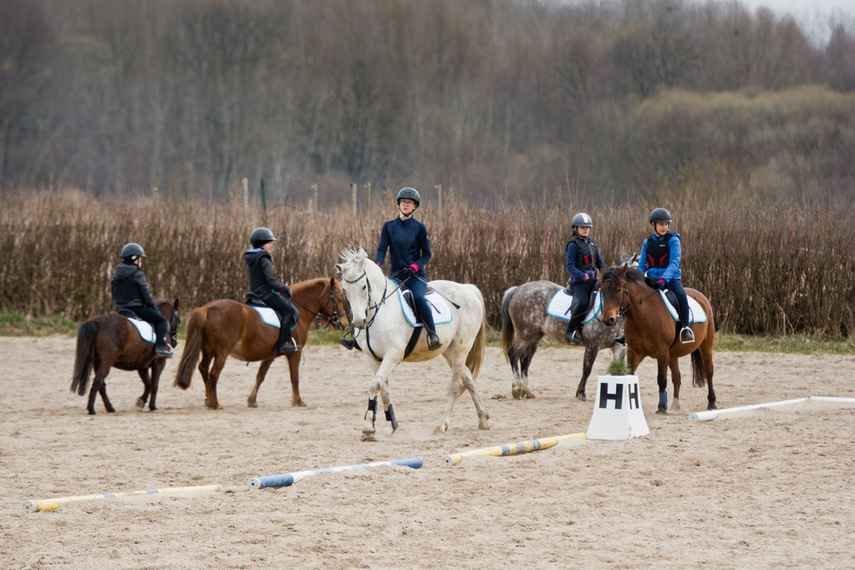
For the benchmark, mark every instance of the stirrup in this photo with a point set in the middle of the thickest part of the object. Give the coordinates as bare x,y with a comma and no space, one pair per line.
163,351
288,346
433,341
687,336
575,337
348,343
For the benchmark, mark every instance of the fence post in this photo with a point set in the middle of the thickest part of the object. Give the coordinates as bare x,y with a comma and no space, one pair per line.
438,188
263,198
244,187
315,197
353,195
368,186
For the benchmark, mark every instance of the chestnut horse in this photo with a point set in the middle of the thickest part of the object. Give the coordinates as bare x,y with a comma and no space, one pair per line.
225,327
650,330
111,340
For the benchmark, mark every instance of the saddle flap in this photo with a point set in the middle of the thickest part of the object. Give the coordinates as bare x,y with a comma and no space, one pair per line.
437,303
559,305
144,328
696,312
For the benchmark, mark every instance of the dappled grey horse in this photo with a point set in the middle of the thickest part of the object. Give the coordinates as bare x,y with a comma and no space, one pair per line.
525,321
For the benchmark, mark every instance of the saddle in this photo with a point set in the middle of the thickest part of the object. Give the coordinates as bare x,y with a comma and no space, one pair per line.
145,328
268,314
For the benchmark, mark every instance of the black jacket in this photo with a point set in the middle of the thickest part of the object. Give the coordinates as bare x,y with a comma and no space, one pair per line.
262,278
129,287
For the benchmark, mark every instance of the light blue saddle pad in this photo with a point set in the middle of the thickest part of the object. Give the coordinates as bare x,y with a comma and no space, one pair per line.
559,306
696,312
438,307
145,329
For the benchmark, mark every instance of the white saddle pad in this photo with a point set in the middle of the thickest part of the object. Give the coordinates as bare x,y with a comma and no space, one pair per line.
438,307
559,306
268,315
696,312
145,329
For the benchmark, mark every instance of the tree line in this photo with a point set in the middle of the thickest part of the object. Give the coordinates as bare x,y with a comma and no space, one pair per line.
502,102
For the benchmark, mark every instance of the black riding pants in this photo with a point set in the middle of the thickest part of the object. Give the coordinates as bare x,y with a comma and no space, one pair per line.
579,306
286,313
158,321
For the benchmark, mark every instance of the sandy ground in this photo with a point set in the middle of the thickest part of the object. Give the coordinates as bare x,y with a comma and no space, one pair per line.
767,489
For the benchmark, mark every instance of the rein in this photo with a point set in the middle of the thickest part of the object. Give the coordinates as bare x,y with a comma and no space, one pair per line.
334,320
622,311
375,307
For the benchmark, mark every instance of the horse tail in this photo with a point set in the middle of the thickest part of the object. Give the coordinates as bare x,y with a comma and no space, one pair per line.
476,353
699,377
192,348
84,357
507,323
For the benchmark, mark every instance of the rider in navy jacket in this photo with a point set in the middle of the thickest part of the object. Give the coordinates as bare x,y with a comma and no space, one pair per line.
661,254
408,244
583,260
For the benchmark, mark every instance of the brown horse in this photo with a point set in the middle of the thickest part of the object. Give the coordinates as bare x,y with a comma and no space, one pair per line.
111,340
651,331
225,327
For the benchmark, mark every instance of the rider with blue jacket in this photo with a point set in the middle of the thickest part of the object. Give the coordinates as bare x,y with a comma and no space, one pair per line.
131,296
660,258
582,261
408,244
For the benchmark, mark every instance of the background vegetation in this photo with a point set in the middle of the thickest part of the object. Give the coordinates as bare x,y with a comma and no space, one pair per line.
779,268
506,101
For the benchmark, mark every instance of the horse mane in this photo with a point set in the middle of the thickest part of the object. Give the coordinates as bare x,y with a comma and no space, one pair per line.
348,255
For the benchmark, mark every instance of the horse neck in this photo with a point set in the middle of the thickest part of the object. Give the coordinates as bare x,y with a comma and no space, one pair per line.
311,294
377,280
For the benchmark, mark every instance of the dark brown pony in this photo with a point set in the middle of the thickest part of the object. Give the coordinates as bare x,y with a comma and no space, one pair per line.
112,341
225,327
651,331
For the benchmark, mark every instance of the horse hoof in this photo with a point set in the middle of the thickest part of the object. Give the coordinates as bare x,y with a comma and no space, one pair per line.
251,404
110,411
662,411
515,394
91,412
581,396
299,404
140,403
712,407
529,394
439,431
367,437
152,409
483,426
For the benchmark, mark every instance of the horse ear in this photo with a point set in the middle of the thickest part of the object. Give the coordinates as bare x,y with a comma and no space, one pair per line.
175,304
338,269
622,272
634,261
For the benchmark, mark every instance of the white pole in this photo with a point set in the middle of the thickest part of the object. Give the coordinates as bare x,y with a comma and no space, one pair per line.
713,414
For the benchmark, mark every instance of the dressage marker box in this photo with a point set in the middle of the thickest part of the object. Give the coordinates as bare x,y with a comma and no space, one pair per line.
617,410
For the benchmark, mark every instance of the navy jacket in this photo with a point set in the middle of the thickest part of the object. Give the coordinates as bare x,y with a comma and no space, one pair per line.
578,267
407,242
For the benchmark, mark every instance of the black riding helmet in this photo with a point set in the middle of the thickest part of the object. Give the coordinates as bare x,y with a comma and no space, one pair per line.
660,215
131,251
261,236
409,194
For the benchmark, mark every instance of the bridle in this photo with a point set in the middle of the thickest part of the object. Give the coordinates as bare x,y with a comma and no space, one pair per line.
335,319
624,296
376,306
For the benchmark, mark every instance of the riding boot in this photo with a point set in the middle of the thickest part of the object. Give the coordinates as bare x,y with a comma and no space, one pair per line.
571,332
162,350
620,339
433,341
286,343
687,336
348,343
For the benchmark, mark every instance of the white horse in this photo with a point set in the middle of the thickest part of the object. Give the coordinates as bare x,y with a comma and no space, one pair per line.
384,333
